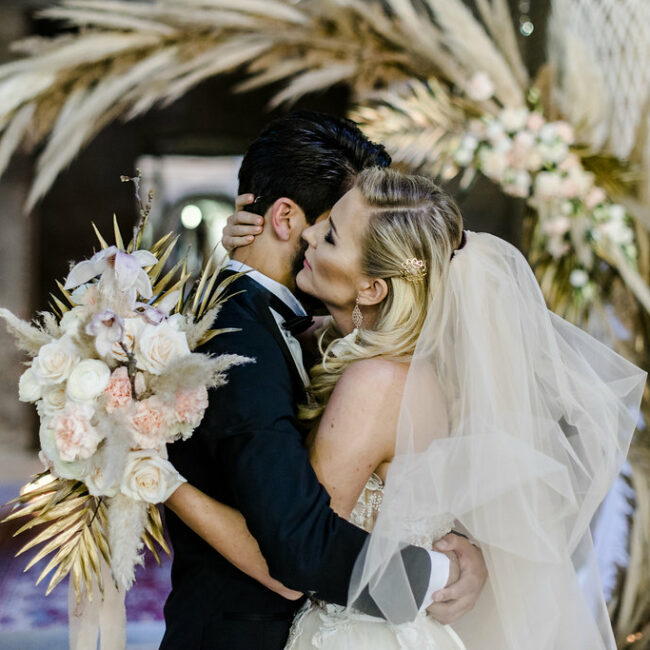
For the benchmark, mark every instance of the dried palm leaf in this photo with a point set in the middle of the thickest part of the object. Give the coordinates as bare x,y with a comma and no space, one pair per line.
75,530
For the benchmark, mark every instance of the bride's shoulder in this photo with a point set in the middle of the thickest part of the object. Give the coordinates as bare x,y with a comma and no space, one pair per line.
377,376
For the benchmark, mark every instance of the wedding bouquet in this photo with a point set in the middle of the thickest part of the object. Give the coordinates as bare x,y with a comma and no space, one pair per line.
114,377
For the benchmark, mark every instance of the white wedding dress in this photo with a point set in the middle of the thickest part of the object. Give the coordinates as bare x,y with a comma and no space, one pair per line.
332,627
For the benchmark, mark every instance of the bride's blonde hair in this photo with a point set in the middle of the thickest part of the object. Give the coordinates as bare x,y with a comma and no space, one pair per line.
410,217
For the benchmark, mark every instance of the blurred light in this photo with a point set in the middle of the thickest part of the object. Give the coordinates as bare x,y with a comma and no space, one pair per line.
191,216
524,6
526,27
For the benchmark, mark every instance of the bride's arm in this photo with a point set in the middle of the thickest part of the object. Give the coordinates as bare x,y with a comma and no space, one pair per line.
224,528
356,434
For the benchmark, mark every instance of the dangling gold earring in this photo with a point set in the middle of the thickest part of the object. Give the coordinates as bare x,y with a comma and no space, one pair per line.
357,316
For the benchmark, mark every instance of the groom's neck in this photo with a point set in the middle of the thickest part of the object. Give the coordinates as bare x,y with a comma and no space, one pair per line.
270,258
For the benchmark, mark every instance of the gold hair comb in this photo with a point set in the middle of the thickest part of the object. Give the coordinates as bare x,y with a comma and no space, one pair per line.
414,270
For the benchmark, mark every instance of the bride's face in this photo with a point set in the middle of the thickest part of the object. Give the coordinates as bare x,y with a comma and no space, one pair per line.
332,265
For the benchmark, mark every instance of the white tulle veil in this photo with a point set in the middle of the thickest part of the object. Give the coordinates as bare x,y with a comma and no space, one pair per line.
515,423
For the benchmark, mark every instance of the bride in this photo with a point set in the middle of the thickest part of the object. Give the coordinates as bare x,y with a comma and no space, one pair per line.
449,397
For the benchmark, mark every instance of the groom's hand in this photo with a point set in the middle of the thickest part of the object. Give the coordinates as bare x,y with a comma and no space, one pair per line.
242,226
455,600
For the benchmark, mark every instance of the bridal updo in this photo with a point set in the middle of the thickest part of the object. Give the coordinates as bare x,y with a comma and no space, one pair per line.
410,217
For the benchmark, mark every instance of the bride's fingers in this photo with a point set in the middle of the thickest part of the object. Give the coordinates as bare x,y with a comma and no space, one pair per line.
243,200
243,230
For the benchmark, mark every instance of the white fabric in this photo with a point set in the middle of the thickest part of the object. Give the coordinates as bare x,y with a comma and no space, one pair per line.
332,627
514,424
439,575
283,293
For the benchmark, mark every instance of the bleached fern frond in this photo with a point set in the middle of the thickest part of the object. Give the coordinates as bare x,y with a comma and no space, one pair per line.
129,57
476,51
417,122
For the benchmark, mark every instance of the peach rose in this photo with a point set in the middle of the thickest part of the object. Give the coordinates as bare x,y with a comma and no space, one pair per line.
118,391
74,435
190,405
159,345
150,423
132,330
148,477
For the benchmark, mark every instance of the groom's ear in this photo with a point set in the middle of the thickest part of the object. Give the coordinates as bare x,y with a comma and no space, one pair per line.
372,291
287,219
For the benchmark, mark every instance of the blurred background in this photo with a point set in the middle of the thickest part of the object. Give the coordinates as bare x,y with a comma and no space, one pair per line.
189,153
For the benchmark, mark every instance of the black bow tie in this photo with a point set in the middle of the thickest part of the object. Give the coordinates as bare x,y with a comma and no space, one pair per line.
292,322
298,324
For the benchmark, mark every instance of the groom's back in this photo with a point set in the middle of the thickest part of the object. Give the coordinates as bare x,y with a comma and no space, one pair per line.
213,604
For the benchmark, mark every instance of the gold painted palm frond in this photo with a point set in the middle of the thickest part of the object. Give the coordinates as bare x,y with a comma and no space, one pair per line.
129,57
75,530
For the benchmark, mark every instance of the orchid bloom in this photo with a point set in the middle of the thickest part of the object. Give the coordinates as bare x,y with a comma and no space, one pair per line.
156,315
107,328
124,271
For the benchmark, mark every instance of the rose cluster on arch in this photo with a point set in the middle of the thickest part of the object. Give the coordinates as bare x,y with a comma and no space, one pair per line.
106,414
532,158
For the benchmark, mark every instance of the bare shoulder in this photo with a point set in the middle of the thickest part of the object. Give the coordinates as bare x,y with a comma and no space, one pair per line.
375,379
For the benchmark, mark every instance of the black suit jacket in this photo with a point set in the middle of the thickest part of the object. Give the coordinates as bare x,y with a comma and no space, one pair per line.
249,453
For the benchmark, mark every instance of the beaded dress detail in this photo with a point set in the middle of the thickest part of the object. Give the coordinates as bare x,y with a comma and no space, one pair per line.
329,626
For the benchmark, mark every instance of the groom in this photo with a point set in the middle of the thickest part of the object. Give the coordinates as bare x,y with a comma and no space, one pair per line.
249,450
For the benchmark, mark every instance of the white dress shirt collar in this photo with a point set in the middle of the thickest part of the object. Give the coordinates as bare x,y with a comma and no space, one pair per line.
275,287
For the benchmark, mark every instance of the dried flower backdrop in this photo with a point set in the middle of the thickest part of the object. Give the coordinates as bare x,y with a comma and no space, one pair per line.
443,85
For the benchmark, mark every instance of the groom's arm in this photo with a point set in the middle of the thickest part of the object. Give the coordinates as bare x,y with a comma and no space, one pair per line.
258,450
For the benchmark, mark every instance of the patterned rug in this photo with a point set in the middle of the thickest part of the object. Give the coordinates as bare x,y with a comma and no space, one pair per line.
25,607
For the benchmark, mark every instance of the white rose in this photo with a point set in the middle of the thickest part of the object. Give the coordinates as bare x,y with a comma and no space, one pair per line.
132,329
29,390
464,157
547,184
479,87
99,484
494,131
547,133
147,477
513,119
556,227
159,345
55,361
616,212
617,232
578,278
53,401
88,380
555,152
493,164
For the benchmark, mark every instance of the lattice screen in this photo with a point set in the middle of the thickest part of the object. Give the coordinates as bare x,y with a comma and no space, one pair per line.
616,33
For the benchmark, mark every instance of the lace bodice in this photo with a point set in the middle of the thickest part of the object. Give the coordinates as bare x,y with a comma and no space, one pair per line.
423,532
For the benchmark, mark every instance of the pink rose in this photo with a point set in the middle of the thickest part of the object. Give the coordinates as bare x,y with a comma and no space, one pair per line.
565,131
150,423
190,405
569,188
118,392
595,197
74,436
535,122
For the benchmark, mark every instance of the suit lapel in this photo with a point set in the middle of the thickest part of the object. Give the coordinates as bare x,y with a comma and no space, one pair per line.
258,297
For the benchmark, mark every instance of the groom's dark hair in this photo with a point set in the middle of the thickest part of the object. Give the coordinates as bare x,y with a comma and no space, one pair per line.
309,157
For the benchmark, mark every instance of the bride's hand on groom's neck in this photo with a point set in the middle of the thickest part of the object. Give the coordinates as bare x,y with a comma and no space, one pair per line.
242,227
